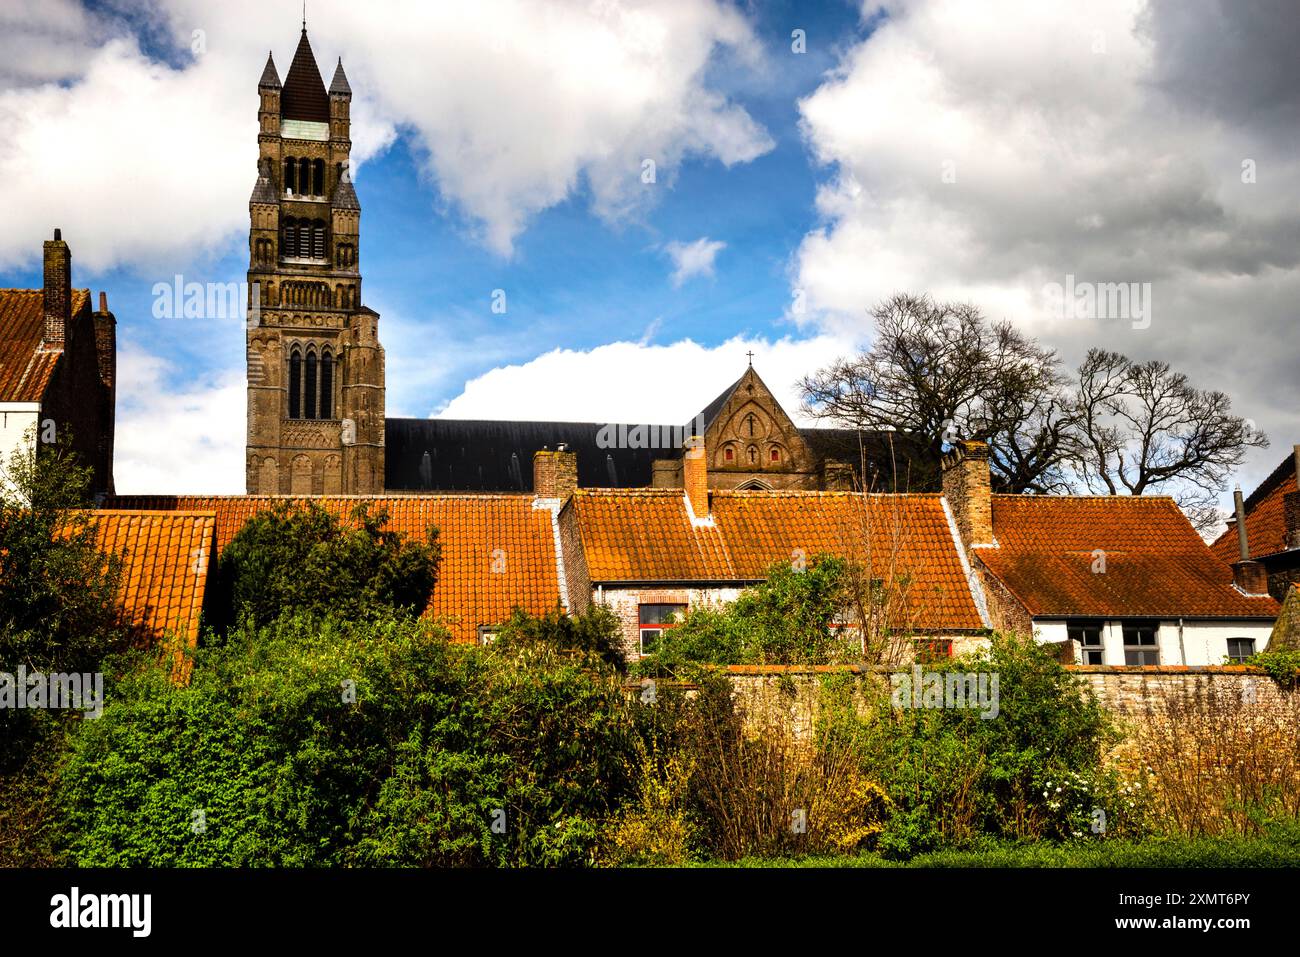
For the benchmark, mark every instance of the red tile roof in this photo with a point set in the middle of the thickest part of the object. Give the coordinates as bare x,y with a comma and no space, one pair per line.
1155,563
164,573
478,533
1265,521
646,535
24,370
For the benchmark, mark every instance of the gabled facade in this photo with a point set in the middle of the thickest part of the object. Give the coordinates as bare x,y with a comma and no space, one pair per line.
58,365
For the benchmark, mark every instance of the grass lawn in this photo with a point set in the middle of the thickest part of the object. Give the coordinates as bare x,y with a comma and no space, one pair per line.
1273,851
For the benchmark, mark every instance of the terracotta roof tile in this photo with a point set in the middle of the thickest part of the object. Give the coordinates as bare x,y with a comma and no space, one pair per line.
1265,520
1155,563
646,535
24,370
164,558
498,552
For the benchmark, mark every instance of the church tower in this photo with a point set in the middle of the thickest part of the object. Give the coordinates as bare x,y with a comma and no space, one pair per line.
315,365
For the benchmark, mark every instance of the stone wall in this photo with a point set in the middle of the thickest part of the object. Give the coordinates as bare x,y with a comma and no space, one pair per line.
773,695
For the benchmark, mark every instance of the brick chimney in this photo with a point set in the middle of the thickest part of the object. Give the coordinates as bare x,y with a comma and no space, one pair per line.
58,292
1239,509
695,477
1250,577
106,342
967,488
555,474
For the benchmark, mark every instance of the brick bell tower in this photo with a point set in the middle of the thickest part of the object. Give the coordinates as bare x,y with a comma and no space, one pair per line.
315,365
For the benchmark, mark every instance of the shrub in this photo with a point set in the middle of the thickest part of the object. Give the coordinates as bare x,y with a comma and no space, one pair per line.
299,557
1280,664
314,742
1034,771
595,632
787,619
58,592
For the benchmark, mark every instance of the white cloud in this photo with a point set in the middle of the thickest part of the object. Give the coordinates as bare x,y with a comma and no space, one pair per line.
515,102
175,438
693,258
979,152
632,382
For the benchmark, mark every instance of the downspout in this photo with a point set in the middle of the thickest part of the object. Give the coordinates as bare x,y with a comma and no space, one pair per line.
1182,651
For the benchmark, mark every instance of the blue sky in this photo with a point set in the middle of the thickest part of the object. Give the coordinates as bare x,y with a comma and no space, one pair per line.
499,147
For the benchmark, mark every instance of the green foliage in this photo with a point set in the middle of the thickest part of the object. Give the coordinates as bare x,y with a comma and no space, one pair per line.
1035,770
58,612
785,620
324,742
300,557
1280,664
58,605
596,632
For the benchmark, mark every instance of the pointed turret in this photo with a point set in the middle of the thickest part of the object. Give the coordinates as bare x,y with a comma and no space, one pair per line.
304,91
339,85
345,197
264,190
270,78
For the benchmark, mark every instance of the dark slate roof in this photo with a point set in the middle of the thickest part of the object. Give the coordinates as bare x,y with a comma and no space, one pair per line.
304,96
263,190
340,82
345,197
474,455
270,77
710,411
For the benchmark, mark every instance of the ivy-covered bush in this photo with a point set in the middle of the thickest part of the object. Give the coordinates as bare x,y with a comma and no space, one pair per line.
314,742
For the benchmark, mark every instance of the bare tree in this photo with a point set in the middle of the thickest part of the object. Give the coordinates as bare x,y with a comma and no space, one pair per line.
941,372
1143,427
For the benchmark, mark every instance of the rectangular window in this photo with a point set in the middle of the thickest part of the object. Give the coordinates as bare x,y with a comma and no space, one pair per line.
486,635
1140,647
930,650
1239,649
1088,635
655,620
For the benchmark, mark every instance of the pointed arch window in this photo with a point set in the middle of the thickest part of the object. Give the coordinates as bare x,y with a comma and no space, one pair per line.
309,390
290,173
295,383
304,175
326,384
318,242
318,178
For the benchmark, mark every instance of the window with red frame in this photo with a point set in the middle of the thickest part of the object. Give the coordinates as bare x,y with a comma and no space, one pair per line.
655,620
933,649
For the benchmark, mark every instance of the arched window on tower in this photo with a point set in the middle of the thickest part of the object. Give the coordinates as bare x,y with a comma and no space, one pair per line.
304,175
318,242
295,383
326,384
310,411
318,178
290,173
290,244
